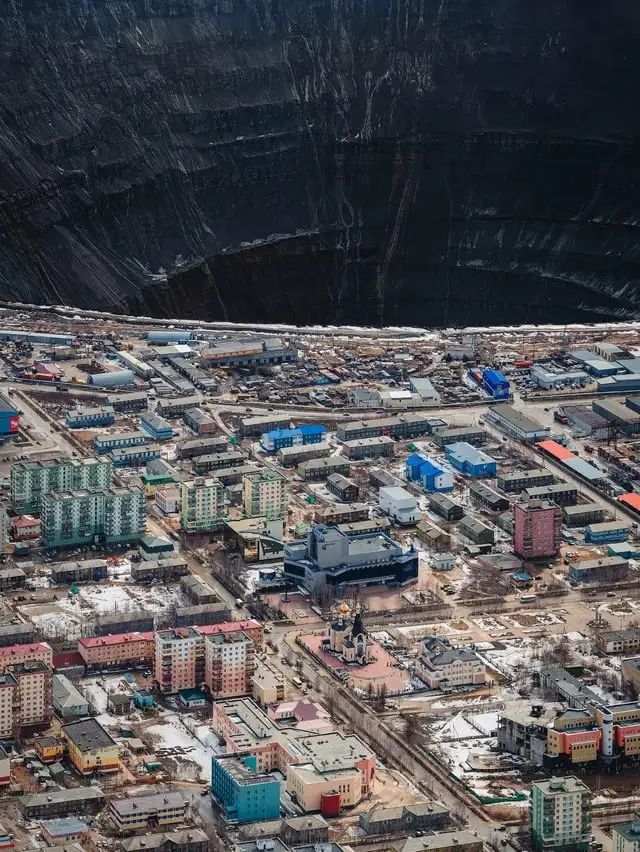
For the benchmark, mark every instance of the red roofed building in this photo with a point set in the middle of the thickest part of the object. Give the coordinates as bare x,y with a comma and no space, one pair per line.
556,450
632,500
253,629
68,661
117,651
25,527
36,652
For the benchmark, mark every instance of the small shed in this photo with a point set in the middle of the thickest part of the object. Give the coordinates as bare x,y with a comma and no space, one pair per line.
119,703
142,699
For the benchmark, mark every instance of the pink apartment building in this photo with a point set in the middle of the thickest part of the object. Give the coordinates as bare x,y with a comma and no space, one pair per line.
229,664
222,661
537,529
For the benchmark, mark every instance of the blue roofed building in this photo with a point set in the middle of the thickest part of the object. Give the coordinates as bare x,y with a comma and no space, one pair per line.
412,467
245,794
276,439
470,460
431,475
495,384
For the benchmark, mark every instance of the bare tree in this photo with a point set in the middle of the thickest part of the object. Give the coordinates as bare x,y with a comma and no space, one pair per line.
411,728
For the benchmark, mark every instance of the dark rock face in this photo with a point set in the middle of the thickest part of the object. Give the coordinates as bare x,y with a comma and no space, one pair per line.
367,161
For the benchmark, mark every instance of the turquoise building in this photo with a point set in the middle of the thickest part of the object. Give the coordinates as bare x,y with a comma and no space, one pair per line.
244,794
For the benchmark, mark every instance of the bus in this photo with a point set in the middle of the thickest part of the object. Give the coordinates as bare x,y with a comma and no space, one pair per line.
526,599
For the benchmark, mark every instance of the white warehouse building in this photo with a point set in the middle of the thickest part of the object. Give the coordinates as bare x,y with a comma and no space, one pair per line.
399,505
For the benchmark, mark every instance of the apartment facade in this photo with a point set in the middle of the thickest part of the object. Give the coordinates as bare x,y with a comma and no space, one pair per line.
179,659
34,652
25,698
202,505
560,815
137,813
25,687
124,515
76,518
626,835
119,650
33,705
537,529
223,660
229,664
31,480
264,495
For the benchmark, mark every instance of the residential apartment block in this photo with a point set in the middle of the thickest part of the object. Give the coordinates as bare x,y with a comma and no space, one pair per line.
190,657
560,815
626,835
537,529
179,659
618,641
34,652
264,495
516,481
119,650
31,480
76,518
180,840
229,664
25,697
203,507
136,813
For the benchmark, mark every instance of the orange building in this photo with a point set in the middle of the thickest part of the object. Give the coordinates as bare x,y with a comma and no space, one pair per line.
49,749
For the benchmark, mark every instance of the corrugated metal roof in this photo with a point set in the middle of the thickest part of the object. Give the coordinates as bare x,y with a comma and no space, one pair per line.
555,449
632,499
583,468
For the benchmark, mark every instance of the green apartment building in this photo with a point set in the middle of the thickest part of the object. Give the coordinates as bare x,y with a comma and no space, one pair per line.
76,518
560,815
264,494
203,506
31,480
